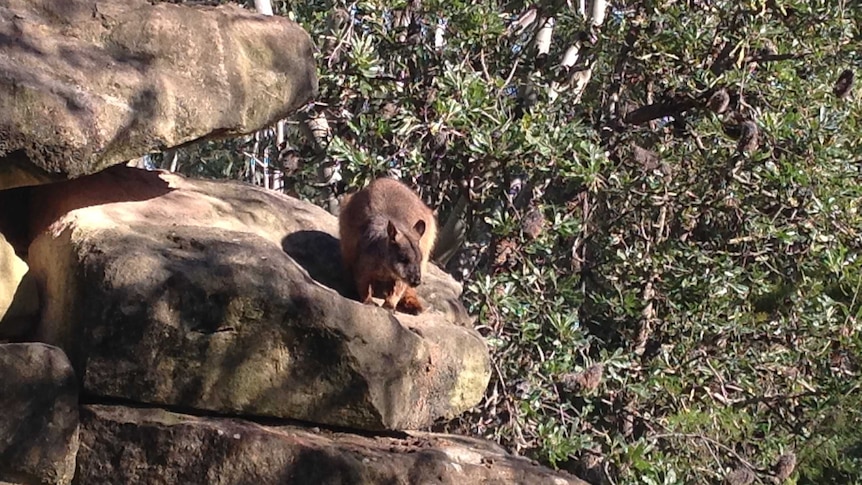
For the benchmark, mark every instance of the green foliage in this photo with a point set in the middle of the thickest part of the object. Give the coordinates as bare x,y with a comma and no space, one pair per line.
717,291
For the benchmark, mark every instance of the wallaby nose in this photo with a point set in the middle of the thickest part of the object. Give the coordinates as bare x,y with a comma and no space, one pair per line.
414,280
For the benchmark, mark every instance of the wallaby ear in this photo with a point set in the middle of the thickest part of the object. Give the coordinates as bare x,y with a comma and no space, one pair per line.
419,227
390,229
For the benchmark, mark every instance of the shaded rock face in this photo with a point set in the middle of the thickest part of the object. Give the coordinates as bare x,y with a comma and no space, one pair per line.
176,292
39,417
125,445
86,85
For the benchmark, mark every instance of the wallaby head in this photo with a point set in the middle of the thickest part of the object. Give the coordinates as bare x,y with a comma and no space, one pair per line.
404,254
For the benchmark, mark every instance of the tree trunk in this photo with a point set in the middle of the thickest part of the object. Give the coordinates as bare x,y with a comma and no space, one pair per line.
263,7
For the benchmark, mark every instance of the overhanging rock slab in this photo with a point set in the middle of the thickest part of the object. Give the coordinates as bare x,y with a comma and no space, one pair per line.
86,85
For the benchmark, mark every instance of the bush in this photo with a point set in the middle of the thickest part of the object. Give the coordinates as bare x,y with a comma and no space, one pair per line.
670,290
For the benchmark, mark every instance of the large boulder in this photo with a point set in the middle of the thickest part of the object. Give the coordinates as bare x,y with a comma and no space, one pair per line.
85,85
126,445
230,298
39,417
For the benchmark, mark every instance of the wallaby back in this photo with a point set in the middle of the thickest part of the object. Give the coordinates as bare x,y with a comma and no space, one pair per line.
387,234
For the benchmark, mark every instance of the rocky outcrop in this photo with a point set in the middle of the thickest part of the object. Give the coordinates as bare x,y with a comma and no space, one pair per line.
125,445
187,293
223,301
203,319
86,85
39,418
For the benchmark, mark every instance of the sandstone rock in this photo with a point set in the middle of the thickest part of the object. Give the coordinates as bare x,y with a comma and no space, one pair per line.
86,85
125,445
181,293
39,418
19,298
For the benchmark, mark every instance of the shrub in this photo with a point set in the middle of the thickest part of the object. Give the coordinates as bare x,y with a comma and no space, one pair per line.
665,264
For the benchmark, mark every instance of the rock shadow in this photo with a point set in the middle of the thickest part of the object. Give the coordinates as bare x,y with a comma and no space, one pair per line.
14,218
28,210
118,183
228,304
328,466
320,254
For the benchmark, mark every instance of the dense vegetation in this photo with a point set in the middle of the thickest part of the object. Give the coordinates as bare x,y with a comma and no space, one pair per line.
661,239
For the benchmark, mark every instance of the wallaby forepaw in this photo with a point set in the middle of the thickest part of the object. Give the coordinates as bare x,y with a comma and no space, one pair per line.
411,305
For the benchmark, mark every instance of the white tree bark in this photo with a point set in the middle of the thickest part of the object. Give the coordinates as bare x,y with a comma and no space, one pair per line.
263,7
600,8
543,39
439,33
452,234
524,21
571,55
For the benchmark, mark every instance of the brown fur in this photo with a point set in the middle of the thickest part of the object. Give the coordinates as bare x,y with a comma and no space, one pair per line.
387,234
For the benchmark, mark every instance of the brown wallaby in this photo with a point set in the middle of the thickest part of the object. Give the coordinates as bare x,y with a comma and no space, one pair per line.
387,234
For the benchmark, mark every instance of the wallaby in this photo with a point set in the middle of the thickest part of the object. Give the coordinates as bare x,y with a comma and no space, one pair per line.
387,234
